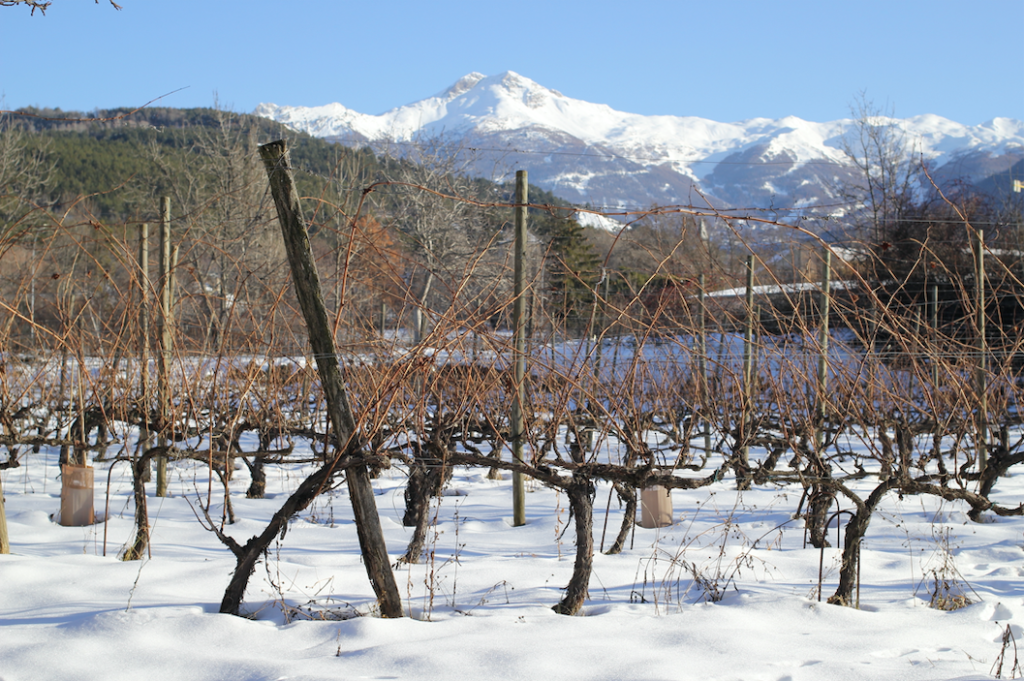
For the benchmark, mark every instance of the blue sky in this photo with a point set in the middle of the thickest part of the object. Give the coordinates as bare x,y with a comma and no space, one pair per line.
724,60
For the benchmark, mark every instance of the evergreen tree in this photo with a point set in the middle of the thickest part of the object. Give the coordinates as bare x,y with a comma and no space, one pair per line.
574,268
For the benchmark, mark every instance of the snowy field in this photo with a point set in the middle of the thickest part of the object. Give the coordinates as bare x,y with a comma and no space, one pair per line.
479,605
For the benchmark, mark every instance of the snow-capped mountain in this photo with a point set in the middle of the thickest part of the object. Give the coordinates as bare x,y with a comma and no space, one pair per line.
591,153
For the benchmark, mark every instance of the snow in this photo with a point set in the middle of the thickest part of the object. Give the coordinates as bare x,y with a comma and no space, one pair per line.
599,222
773,289
480,604
509,101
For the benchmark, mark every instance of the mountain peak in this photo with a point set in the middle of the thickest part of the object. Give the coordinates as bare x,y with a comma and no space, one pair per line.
461,86
509,84
588,152
512,82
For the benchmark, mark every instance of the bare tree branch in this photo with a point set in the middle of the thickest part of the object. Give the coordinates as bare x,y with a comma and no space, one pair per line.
42,5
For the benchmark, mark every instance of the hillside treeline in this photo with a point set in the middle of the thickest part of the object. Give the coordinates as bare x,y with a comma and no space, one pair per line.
77,189
406,244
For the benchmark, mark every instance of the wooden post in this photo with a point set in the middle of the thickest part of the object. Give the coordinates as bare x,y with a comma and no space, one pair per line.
144,387
519,347
144,311
742,476
702,359
32,296
307,288
166,341
5,540
80,449
605,278
981,377
823,336
62,384
935,337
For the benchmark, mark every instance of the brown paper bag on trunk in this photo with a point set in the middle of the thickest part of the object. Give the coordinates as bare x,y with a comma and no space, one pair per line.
656,507
76,494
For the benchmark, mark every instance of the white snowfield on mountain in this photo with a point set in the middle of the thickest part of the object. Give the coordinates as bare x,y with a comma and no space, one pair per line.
485,104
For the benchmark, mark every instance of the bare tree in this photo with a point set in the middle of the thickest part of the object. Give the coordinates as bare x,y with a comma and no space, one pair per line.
886,169
25,172
229,247
41,5
446,236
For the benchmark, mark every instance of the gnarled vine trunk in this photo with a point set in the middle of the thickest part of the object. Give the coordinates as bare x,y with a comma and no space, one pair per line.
628,495
581,504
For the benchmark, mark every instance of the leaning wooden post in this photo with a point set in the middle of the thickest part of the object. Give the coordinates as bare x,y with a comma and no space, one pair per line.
819,421
343,423
166,343
981,378
519,348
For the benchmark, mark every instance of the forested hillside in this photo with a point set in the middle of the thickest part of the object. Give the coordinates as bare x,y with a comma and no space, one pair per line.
117,160
419,229
426,238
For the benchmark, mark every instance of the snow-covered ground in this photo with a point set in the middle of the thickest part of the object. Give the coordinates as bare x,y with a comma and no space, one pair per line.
479,605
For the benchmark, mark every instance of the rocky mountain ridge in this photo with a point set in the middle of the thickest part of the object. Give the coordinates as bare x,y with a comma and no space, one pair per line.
592,154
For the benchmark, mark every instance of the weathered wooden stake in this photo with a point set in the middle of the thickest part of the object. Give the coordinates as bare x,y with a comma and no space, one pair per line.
144,386
144,312
166,343
62,385
519,347
5,540
605,279
981,377
826,278
311,300
935,337
742,470
702,359
80,455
